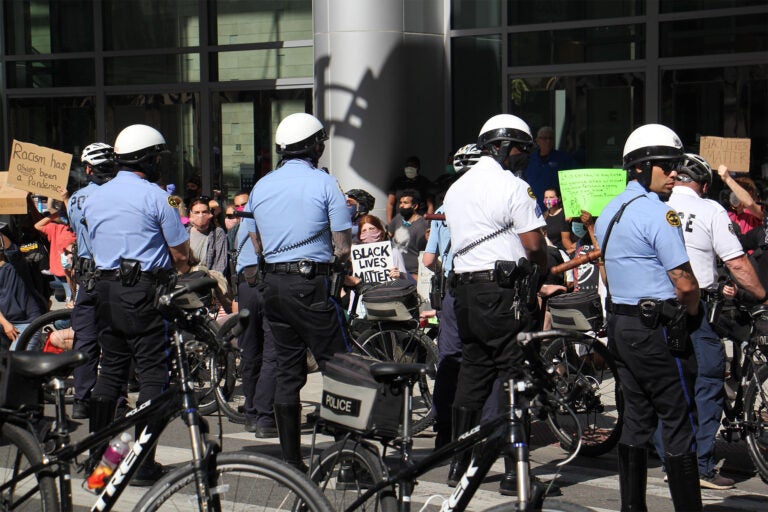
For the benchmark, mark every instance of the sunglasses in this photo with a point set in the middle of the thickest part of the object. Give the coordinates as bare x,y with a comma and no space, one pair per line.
667,166
231,216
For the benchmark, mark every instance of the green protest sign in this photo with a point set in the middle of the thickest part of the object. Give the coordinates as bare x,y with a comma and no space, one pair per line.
590,189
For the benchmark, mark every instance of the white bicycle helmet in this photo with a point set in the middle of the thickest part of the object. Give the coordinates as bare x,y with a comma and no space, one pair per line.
695,167
465,157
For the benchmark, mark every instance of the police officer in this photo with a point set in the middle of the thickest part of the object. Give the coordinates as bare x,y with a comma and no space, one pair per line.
302,227
709,234
493,218
257,345
99,168
137,238
652,294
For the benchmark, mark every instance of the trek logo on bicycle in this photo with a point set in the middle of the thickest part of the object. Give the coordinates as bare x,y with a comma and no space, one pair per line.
341,404
123,468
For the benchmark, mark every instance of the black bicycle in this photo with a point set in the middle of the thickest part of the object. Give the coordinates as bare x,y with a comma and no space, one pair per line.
37,454
355,476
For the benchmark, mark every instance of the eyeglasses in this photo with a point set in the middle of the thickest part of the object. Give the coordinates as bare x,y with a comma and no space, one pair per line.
203,199
230,216
667,166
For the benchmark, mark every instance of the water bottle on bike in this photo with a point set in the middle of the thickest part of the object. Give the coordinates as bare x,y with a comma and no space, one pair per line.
117,448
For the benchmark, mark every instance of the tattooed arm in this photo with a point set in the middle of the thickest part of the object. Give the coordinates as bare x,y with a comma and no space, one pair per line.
342,242
686,287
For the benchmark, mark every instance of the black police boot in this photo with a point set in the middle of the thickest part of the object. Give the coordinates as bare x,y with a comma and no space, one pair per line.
508,485
288,417
683,473
101,415
150,470
633,475
463,420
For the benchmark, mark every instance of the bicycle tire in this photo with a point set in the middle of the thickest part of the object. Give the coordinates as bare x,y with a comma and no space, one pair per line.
402,345
229,393
586,372
362,465
18,451
548,506
756,419
246,481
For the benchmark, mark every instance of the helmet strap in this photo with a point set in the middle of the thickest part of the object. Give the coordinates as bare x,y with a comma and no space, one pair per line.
643,177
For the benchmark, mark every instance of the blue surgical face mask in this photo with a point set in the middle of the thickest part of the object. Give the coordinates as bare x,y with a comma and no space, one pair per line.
578,229
352,209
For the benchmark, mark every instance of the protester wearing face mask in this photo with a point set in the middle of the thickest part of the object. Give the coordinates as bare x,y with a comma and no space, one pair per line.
372,230
359,203
410,179
558,227
408,230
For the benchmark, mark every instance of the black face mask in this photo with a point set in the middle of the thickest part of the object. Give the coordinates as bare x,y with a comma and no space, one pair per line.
406,213
516,163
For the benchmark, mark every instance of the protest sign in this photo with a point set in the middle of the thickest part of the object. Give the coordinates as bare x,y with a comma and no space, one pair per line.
590,189
733,153
12,200
37,169
371,262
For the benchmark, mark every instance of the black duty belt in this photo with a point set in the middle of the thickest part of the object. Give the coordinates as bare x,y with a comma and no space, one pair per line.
298,267
159,276
623,309
481,276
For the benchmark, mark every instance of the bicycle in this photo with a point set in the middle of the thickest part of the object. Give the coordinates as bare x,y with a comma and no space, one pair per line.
745,414
39,453
355,476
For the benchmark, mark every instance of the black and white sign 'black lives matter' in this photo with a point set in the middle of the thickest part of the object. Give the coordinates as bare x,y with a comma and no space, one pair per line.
371,262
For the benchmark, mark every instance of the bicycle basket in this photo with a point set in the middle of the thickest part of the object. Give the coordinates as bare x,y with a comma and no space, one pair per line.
395,301
353,399
581,311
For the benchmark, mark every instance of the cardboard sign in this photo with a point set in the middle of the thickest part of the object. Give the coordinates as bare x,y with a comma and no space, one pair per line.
371,262
42,171
733,153
590,189
12,200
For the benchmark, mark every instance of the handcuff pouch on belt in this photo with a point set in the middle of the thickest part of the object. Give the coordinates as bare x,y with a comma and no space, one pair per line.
130,272
670,315
252,275
521,276
307,269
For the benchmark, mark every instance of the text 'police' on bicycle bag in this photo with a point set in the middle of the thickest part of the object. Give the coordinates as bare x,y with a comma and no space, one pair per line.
352,397
394,301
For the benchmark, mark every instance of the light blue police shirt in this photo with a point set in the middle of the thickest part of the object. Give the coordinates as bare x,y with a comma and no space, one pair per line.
291,205
439,238
644,244
75,210
132,218
247,254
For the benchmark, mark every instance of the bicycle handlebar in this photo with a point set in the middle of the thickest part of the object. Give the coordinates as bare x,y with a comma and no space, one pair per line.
192,286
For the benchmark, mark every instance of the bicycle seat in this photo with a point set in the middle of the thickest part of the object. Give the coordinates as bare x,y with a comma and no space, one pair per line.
41,364
390,372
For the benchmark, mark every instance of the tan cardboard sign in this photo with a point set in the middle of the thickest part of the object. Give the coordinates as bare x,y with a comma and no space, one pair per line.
37,169
733,153
13,201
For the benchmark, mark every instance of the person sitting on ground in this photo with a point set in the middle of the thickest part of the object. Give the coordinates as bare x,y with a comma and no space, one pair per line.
17,306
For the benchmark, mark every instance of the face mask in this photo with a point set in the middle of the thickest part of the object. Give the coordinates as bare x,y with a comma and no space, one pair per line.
370,237
551,203
578,229
352,210
65,262
450,169
407,213
230,223
411,172
517,162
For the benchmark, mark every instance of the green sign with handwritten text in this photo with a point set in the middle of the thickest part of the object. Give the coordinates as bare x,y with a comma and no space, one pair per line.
590,189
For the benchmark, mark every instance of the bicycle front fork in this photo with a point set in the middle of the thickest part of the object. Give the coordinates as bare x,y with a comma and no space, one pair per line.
519,423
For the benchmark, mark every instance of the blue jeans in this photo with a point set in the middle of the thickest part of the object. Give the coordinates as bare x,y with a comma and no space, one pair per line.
709,395
33,343
62,282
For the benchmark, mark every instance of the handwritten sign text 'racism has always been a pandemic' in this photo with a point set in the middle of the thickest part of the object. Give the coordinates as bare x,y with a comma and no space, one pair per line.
37,169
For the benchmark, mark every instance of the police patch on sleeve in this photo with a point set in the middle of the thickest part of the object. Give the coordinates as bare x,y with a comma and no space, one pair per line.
174,201
530,193
673,219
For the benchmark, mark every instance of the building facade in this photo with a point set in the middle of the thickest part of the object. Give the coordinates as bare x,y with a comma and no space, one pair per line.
389,79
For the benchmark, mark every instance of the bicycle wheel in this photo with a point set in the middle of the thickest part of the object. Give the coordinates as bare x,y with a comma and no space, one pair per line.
229,393
402,345
245,481
346,470
548,506
585,373
19,450
204,367
756,420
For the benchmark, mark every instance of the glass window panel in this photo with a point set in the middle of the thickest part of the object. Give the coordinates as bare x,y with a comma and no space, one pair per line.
723,102
152,69
64,124
728,34
592,115
51,73
144,24
475,14
596,44
476,75
246,21
551,11
667,6
34,27
266,64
